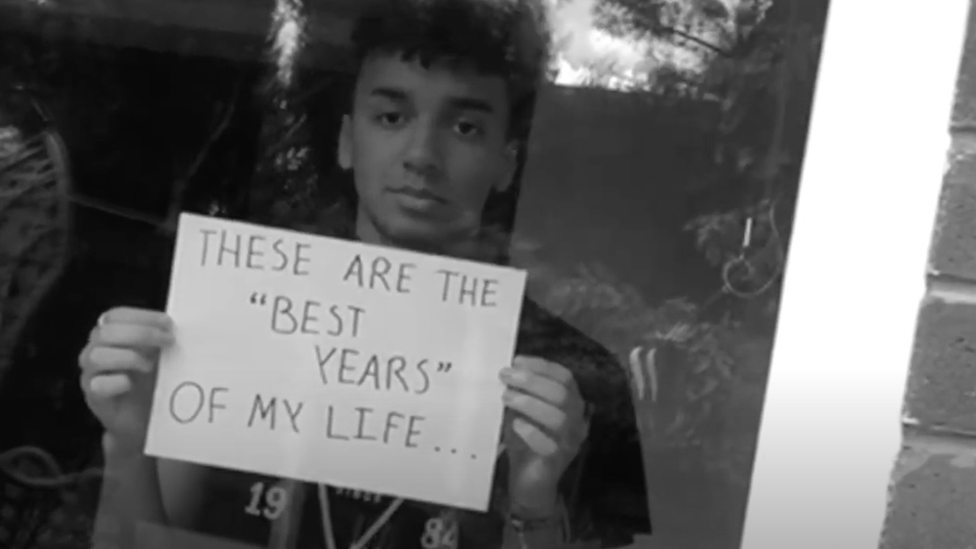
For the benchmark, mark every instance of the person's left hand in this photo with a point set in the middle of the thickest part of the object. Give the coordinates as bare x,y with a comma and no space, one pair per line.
545,426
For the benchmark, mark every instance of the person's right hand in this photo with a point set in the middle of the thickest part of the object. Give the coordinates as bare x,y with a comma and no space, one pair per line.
117,372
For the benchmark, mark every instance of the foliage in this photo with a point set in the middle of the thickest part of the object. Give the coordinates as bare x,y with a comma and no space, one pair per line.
759,65
286,178
34,186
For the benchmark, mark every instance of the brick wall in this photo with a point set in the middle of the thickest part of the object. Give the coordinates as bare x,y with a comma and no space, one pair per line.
931,500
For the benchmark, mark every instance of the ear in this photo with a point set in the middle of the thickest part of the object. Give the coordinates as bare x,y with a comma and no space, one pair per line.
506,176
344,152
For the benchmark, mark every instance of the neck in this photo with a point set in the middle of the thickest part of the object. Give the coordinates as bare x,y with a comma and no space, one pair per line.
462,248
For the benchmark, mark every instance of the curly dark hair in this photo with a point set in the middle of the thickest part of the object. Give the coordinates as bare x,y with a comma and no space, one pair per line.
506,38
511,39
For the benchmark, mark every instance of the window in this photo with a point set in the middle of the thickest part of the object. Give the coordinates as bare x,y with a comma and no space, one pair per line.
646,186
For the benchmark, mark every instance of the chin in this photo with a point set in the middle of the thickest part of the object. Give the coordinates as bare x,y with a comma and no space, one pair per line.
418,235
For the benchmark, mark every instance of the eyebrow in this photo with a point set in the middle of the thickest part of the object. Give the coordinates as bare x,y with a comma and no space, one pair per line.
458,102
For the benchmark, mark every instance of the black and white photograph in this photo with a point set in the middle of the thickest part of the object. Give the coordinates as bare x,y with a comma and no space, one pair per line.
393,274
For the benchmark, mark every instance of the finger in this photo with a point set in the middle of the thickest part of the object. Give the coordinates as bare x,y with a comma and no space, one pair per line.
542,367
132,315
108,386
537,385
131,335
536,439
115,359
576,437
536,410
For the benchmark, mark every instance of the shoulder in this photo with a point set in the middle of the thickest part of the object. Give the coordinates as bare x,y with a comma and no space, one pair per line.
602,380
609,501
547,336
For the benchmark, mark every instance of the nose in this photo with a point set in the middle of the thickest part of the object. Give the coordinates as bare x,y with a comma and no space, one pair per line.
422,154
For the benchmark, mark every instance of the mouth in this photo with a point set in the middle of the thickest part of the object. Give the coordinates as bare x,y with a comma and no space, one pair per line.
419,196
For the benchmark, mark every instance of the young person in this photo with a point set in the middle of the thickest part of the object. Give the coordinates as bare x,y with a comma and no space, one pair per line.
442,92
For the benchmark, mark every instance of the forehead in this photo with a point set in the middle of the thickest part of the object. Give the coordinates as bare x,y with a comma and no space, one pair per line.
437,82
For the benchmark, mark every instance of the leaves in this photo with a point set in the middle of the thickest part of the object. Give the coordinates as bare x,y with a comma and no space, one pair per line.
708,359
33,218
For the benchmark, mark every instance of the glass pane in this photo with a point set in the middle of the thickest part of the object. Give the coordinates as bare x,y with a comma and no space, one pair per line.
639,160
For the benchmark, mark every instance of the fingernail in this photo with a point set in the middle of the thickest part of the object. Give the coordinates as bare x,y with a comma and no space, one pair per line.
517,376
506,374
166,321
520,426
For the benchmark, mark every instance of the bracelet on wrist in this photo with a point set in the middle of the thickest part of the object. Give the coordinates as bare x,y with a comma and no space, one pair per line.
522,525
524,529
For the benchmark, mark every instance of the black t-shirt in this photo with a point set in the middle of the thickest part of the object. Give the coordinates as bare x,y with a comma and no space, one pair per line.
604,491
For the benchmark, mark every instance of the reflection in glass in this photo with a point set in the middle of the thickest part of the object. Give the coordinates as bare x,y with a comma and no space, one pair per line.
652,205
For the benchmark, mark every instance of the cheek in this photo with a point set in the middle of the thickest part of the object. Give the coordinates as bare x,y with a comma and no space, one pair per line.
372,143
476,176
369,165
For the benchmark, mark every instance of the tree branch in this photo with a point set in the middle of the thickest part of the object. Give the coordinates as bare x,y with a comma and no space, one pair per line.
692,38
176,202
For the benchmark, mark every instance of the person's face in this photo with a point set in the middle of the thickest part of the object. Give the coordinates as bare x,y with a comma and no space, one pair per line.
426,146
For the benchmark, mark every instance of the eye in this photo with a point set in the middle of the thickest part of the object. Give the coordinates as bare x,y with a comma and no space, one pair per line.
390,119
466,128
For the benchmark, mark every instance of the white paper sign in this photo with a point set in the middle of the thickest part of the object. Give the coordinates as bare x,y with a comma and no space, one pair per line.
335,362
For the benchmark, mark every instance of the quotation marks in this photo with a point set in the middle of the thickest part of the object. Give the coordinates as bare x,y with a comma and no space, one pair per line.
259,299
443,367
438,449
